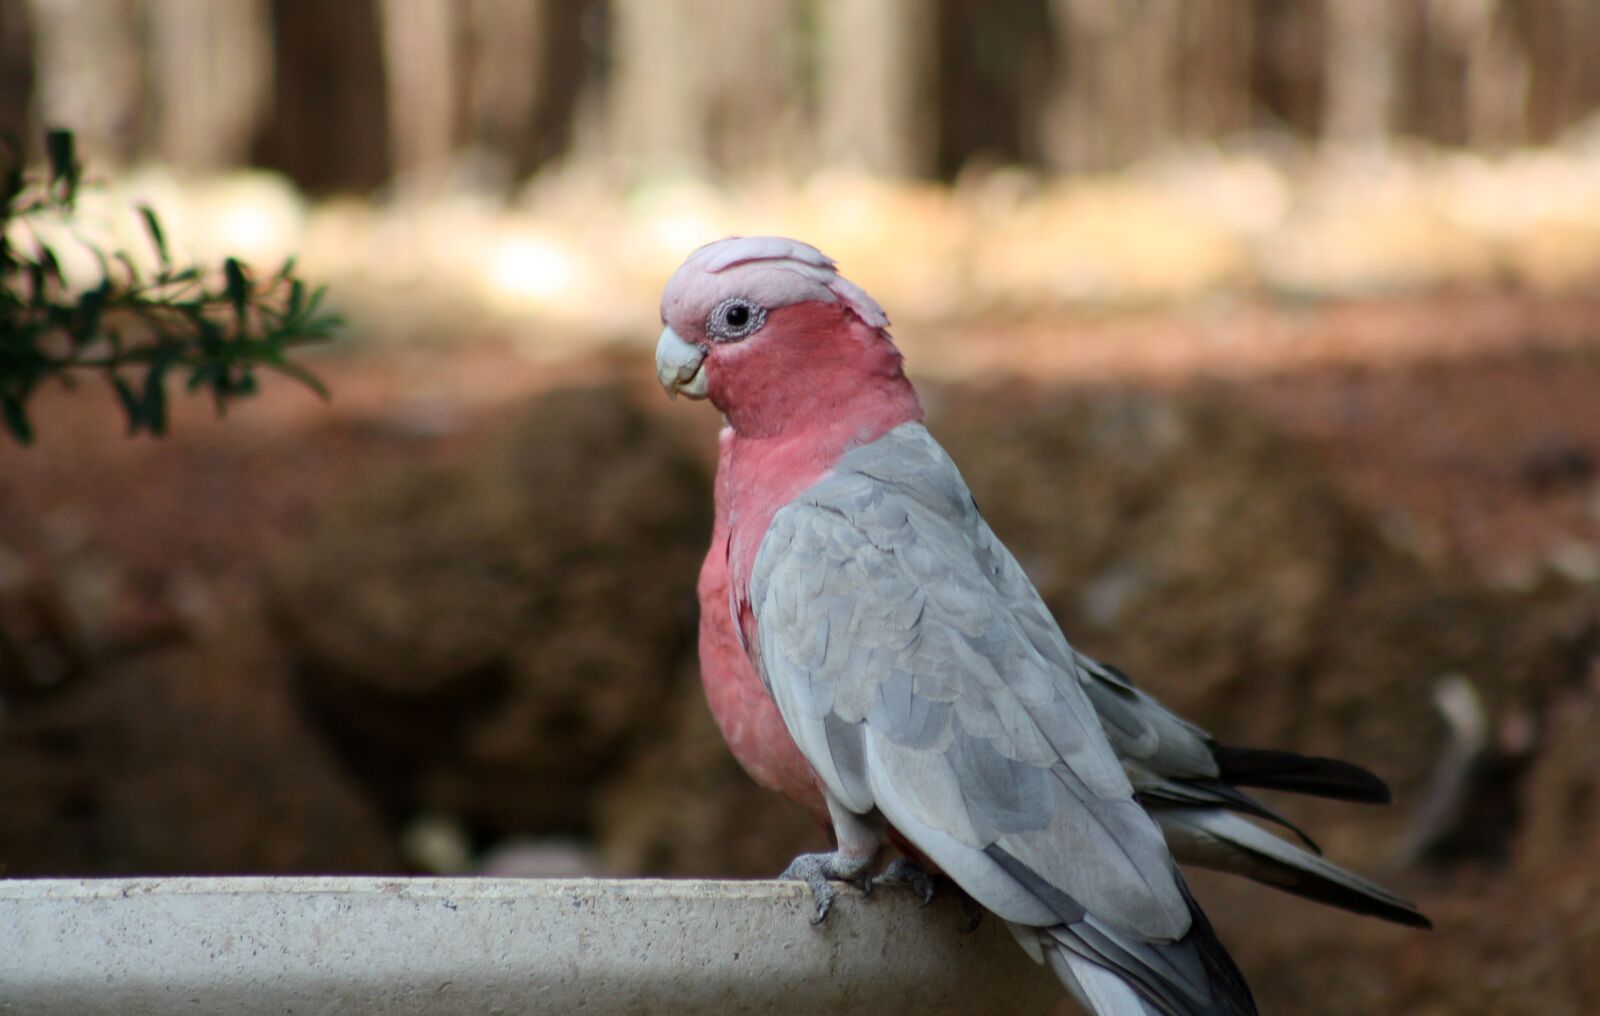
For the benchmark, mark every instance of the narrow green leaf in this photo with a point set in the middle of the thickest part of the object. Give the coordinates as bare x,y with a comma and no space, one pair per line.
16,419
238,286
154,404
204,374
59,148
158,238
300,374
130,403
210,338
90,306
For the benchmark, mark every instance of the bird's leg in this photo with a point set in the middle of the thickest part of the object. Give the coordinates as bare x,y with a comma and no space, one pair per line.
904,872
819,871
859,837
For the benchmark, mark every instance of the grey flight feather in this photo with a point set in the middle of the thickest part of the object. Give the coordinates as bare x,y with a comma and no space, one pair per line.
1224,841
921,675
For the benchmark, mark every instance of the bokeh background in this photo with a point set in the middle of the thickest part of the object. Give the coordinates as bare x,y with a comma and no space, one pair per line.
1267,334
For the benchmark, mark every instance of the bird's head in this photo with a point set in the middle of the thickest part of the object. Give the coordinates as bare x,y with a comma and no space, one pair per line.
774,336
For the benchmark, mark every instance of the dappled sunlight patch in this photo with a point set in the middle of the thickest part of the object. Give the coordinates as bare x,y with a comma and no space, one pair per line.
574,252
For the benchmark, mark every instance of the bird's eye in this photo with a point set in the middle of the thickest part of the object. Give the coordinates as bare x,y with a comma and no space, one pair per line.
735,318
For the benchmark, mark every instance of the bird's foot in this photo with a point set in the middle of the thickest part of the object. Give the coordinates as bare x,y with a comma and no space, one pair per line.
820,871
903,872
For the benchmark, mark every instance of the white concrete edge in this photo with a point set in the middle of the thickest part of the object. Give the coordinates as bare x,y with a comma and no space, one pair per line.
359,945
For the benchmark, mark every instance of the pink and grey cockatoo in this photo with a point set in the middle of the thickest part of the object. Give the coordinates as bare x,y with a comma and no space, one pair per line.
871,650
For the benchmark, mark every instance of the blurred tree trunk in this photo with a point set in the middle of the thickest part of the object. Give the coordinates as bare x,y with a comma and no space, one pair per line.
701,85
420,47
1562,38
875,79
1214,43
338,94
1287,79
1435,37
1468,74
500,76
1361,57
89,73
505,62
992,60
16,73
756,97
569,79
1497,78
658,111
329,122
1115,97
210,66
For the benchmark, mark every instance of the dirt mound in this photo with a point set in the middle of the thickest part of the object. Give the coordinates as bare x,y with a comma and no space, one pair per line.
190,760
683,806
486,640
1187,541
1508,939
1183,539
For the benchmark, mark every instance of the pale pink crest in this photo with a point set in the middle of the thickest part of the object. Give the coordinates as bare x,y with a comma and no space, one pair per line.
774,271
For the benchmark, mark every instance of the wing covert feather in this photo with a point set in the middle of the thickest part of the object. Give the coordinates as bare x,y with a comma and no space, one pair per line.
921,674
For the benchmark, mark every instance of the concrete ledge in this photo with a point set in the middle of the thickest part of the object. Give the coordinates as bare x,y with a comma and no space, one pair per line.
74,947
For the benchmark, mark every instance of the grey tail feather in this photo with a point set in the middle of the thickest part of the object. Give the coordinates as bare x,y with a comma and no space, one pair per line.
1225,796
1266,769
1344,897
1310,885
1098,989
1234,993
1274,862
1193,976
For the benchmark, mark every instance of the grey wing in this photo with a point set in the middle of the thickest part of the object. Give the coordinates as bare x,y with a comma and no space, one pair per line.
1147,736
1174,763
920,678
1169,761
1155,745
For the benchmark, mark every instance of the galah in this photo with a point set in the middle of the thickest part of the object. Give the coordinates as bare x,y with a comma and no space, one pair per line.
871,650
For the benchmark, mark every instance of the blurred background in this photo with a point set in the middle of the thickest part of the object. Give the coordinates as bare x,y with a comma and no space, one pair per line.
1267,334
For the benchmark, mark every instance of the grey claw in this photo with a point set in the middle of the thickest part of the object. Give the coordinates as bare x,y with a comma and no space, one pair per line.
823,895
903,872
816,871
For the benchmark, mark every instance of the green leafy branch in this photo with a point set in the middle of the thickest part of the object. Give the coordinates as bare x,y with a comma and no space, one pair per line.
135,329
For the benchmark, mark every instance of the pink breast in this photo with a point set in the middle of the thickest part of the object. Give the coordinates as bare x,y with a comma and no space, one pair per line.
744,712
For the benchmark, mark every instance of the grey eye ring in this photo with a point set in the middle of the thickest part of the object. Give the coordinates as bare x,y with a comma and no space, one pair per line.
735,318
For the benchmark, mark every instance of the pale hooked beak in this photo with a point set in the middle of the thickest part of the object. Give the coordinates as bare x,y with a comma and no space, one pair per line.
678,366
